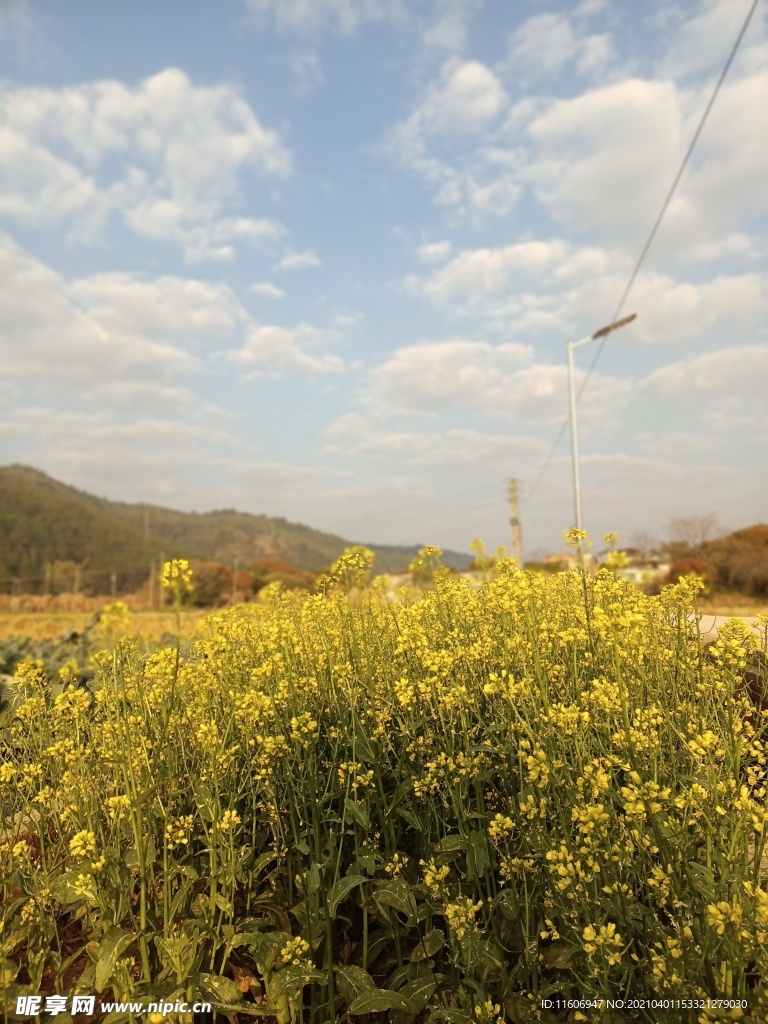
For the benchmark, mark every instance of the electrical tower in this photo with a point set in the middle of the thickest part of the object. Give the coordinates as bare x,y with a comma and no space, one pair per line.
516,551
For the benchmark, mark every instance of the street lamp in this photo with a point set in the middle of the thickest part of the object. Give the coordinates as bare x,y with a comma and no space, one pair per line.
570,346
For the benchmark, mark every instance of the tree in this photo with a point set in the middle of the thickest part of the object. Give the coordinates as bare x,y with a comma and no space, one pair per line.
693,531
212,585
644,543
694,567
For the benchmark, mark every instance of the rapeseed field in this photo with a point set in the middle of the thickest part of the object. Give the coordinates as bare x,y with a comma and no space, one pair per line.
513,803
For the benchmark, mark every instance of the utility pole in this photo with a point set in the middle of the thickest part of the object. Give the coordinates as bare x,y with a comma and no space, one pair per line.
113,585
516,550
161,595
152,585
47,580
234,581
570,346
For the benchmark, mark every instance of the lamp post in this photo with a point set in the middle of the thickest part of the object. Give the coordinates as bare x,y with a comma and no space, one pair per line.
570,346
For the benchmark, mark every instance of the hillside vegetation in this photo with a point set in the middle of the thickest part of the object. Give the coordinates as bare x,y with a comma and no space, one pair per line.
736,562
44,521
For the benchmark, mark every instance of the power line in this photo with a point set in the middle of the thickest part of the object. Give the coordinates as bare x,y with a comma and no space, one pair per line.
482,495
651,237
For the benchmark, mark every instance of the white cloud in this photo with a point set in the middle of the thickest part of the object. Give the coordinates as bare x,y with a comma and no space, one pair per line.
484,272
275,350
104,430
443,141
603,161
680,443
47,338
589,8
167,306
467,98
349,425
434,252
498,380
306,70
549,286
269,290
297,261
163,221
311,16
454,448
739,371
448,31
728,185
546,43
700,43
168,155
599,162
604,158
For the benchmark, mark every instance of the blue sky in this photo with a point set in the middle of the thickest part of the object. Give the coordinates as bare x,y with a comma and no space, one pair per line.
319,259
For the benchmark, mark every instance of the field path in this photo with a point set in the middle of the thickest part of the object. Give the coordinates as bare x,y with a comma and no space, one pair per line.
710,624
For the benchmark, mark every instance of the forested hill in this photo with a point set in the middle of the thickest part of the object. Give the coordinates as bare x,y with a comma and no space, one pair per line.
44,521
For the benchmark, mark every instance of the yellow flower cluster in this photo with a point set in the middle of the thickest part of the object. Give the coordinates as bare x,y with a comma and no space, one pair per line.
82,844
295,951
177,574
604,941
516,766
461,917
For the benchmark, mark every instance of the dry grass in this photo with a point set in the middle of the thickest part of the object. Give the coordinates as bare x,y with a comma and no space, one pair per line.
732,604
149,625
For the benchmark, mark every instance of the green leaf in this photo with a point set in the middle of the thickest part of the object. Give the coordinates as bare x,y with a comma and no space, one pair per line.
262,860
115,942
342,889
264,946
490,955
362,748
352,981
509,905
379,1000
432,942
419,992
223,903
703,880
313,879
396,893
131,855
477,855
451,844
204,800
450,1017
180,897
558,955
411,817
221,989
292,980
517,1008
358,813
8,971
377,944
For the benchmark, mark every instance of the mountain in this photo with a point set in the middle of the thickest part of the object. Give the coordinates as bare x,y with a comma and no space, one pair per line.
44,521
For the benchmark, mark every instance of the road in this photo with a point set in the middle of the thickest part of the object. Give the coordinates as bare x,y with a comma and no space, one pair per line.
710,624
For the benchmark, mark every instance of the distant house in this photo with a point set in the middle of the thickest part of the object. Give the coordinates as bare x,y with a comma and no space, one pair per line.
641,571
561,558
